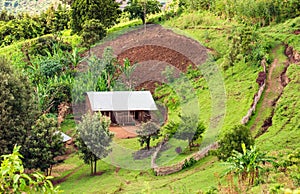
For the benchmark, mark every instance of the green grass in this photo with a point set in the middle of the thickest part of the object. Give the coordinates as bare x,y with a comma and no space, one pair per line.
239,83
68,125
240,87
131,181
283,32
264,110
285,132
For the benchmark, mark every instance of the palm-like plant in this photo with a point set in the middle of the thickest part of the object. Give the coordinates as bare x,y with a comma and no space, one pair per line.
74,58
249,164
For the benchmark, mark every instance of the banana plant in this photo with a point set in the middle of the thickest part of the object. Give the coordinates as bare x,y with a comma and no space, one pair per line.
248,165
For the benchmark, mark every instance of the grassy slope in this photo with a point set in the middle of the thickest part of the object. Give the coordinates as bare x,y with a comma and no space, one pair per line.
200,176
240,88
264,111
284,134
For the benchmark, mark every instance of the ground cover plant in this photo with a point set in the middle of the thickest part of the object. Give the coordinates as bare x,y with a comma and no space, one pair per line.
237,40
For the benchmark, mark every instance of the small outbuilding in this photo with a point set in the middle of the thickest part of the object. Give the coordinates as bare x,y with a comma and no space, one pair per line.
122,107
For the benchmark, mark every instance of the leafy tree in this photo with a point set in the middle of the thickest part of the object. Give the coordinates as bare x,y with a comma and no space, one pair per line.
105,11
14,180
190,129
149,130
232,140
248,164
141,8
43,145
94,139
92,32
61,18
17,110
19,29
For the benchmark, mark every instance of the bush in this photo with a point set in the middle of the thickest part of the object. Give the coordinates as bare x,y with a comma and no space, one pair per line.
188,163
232,140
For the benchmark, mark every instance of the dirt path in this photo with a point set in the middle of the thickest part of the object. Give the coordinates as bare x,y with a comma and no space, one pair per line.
275,83
64,178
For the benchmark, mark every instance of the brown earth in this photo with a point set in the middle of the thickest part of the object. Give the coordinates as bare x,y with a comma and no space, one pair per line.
154,49
124,132
297,32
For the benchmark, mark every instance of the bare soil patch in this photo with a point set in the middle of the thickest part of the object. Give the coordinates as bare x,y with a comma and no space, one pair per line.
124,132
297,32
154,49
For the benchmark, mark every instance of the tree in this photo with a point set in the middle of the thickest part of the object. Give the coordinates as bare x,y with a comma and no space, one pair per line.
43,144
232,140
14,180
17,110
94,139
105,11
149,131
92,32
141,8
190,129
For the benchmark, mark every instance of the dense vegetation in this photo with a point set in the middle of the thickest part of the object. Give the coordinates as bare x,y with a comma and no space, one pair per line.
240,35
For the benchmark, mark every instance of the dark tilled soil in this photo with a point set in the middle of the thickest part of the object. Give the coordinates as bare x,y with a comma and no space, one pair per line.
154,49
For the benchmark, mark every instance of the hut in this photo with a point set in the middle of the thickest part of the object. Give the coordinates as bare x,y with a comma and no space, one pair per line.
122,107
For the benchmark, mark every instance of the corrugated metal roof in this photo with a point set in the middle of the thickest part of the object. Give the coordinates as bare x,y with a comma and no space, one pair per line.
64,136
121,101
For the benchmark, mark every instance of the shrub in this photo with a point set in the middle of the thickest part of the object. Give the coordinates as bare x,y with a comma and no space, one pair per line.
232,140
188,163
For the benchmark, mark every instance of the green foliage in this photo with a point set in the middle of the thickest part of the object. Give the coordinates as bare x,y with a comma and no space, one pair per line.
189,128
252,12
105,11
5,16
14,180
52,74
124,81
141,8
92,31
55,20
74,57
26,27
101,75
43,145
245,46
149,130
45,46
284,131
94,139
232,139
248,164
18,29
290,164
17,109
188,163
